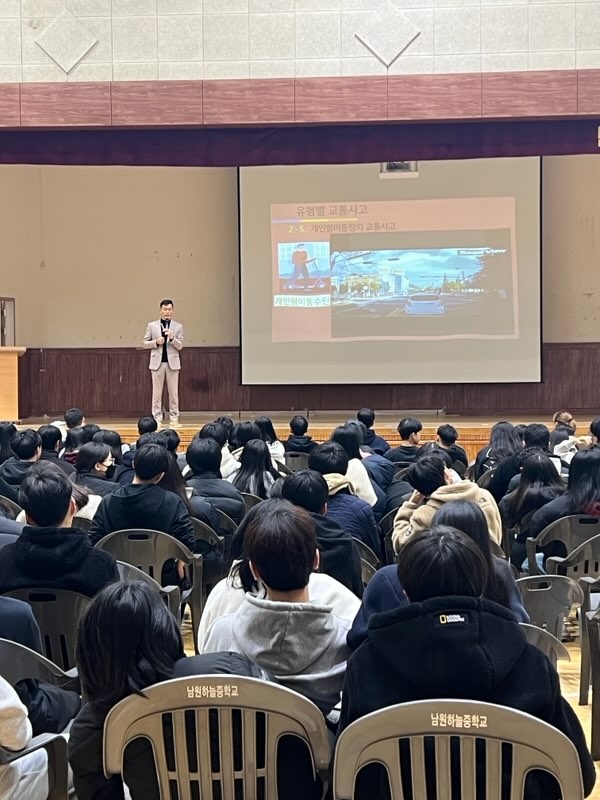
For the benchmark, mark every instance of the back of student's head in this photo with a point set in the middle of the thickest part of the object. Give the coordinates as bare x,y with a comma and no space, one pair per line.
91,454
584,481
74,439
214,430
147,425
520,428
409,426
427,474
227,423
172,439
74,417
505,440
441,562
281,546
113,440
366,416
298,425
127,640
448,434
468,518
150,461
45,495
306,488
244,432
88,431
359,428
267,430
594,427
152,437
255,456
50,436
347,436
329,457
25,443
536,435
204,455
7,431
565,419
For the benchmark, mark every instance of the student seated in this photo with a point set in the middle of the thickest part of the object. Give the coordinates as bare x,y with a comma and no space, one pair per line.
143,504
504,443
483,655
445,439
347,436
256,474
218,432
377,443
144,425
302,644
409,429
7,431
435,484
27,448
27,777
354,515
228,595
51,446
242,433
50,553
299,441
536,437
50,708
269,435
94,460
564,427
74,418
385,592
204,459
338,555
128,640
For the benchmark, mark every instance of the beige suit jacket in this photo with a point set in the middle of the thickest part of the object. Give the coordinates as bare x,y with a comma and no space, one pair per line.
154,332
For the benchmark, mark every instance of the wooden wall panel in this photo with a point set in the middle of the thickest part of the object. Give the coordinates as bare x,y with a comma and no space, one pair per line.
552,93
65,104
156,103
588,91
249,102
10,108
434,96
116,381
357,99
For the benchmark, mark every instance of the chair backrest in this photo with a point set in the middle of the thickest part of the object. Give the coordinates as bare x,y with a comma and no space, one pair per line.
550,646
145,549
13,510
296,461
206,533
484,481
226,524
171,595
399,466
583,560
386,526
369,562
215,736
250,500
548,599
455,740
572,531
593,633
281,468
18,663
57,613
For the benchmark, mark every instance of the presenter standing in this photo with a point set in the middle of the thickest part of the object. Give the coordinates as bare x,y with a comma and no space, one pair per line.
164,337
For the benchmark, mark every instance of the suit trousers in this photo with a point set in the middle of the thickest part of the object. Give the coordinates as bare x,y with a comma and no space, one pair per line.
158,382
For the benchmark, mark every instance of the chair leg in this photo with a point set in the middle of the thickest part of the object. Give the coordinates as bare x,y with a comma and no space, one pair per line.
584,674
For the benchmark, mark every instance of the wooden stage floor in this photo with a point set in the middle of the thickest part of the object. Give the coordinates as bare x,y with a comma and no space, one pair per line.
473,430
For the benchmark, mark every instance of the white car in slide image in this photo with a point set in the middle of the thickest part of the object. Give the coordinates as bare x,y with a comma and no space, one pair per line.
424,305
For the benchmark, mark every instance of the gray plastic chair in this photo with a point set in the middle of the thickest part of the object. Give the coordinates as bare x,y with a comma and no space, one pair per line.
386,526
149,550
281,468
208,715
593,631
377,736
572,531
10,506
369,562
550,646
250,500
56,747
484,481
548,599
583,561
57,613
170,594
590,586
207,534
226,524
295,461
19,663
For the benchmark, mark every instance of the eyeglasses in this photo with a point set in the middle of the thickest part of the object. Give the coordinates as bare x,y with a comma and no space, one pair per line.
109,462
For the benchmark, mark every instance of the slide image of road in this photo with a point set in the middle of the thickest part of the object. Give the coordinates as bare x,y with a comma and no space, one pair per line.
423,293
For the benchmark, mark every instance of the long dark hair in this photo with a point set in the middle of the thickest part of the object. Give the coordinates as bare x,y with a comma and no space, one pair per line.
89,455
173,481
347,436
113,440
74,440
267,430
127,640
470,519
244,432
7,431
539,480
504,440
256,467
584,481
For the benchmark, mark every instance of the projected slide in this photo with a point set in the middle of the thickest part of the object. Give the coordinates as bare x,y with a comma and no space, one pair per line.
376,270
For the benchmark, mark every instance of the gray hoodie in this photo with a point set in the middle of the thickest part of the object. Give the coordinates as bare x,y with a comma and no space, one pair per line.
302,644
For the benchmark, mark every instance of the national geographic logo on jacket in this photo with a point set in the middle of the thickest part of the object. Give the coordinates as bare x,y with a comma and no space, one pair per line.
447,619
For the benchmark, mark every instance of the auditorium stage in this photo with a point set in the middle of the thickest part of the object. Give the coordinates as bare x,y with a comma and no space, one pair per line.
473,430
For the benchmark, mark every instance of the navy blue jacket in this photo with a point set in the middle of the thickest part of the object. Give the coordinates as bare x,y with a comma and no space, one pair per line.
376,443
355,516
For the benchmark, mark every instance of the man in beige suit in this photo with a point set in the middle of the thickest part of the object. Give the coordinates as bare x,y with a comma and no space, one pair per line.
164,337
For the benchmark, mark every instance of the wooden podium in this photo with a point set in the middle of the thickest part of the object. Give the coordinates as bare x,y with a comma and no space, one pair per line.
9,382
